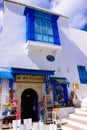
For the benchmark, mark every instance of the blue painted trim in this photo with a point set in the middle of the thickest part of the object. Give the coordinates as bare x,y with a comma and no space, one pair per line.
65,92
6,75
0,81
82,74
31,32
55,81
48,82
54,18
28,11
54,92
11,81
32,28
30,23
55,30
27,27
35,72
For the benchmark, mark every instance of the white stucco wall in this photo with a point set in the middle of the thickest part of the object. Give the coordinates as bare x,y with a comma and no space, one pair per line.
71,55
13,39
14,54
5,90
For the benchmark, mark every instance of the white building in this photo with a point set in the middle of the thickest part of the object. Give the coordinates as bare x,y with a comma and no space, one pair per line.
40,54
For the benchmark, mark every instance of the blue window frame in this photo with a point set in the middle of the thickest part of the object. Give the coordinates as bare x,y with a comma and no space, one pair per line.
41,26
82,74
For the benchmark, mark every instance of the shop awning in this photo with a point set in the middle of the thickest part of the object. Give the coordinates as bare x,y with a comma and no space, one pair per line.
5,73
58,80
32,72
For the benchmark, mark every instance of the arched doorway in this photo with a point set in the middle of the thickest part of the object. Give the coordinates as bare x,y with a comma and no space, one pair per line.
29,105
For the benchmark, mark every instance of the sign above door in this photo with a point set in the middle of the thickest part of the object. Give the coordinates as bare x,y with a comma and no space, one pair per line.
29,78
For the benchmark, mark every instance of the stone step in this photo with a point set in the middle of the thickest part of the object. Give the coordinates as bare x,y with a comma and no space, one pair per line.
84,108
78,119
81,111
78,116
83,104
84,100
70,127
80,124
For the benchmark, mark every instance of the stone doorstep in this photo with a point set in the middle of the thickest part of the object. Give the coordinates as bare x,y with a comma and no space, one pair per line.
76,120
71,127
45,127
80,114
80,111
83,110
84,105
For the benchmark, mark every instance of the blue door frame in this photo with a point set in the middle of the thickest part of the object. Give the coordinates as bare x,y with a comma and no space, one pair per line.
63,83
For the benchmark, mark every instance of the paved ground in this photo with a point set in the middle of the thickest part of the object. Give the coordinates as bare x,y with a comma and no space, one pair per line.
46,127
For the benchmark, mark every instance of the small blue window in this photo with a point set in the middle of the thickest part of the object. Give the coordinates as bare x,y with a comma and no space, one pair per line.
82,74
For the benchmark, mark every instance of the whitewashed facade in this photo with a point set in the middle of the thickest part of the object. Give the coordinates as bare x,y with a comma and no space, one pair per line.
16,52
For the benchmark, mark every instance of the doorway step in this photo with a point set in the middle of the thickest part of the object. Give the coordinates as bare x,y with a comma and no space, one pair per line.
78,119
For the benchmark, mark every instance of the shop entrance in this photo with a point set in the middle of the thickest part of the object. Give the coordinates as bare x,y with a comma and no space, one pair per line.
29,105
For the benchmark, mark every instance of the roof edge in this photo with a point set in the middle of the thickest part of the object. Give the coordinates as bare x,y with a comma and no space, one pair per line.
35,7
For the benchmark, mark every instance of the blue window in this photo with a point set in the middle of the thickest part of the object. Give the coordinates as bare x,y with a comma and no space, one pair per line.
82,74
41,26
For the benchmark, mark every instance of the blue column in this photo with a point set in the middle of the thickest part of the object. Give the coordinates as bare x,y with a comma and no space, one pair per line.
27,27
0,81
30,23
65,92
55,29
47,82
36,107
11,81
54,92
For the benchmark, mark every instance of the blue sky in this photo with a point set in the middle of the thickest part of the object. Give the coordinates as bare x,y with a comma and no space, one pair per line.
76,10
